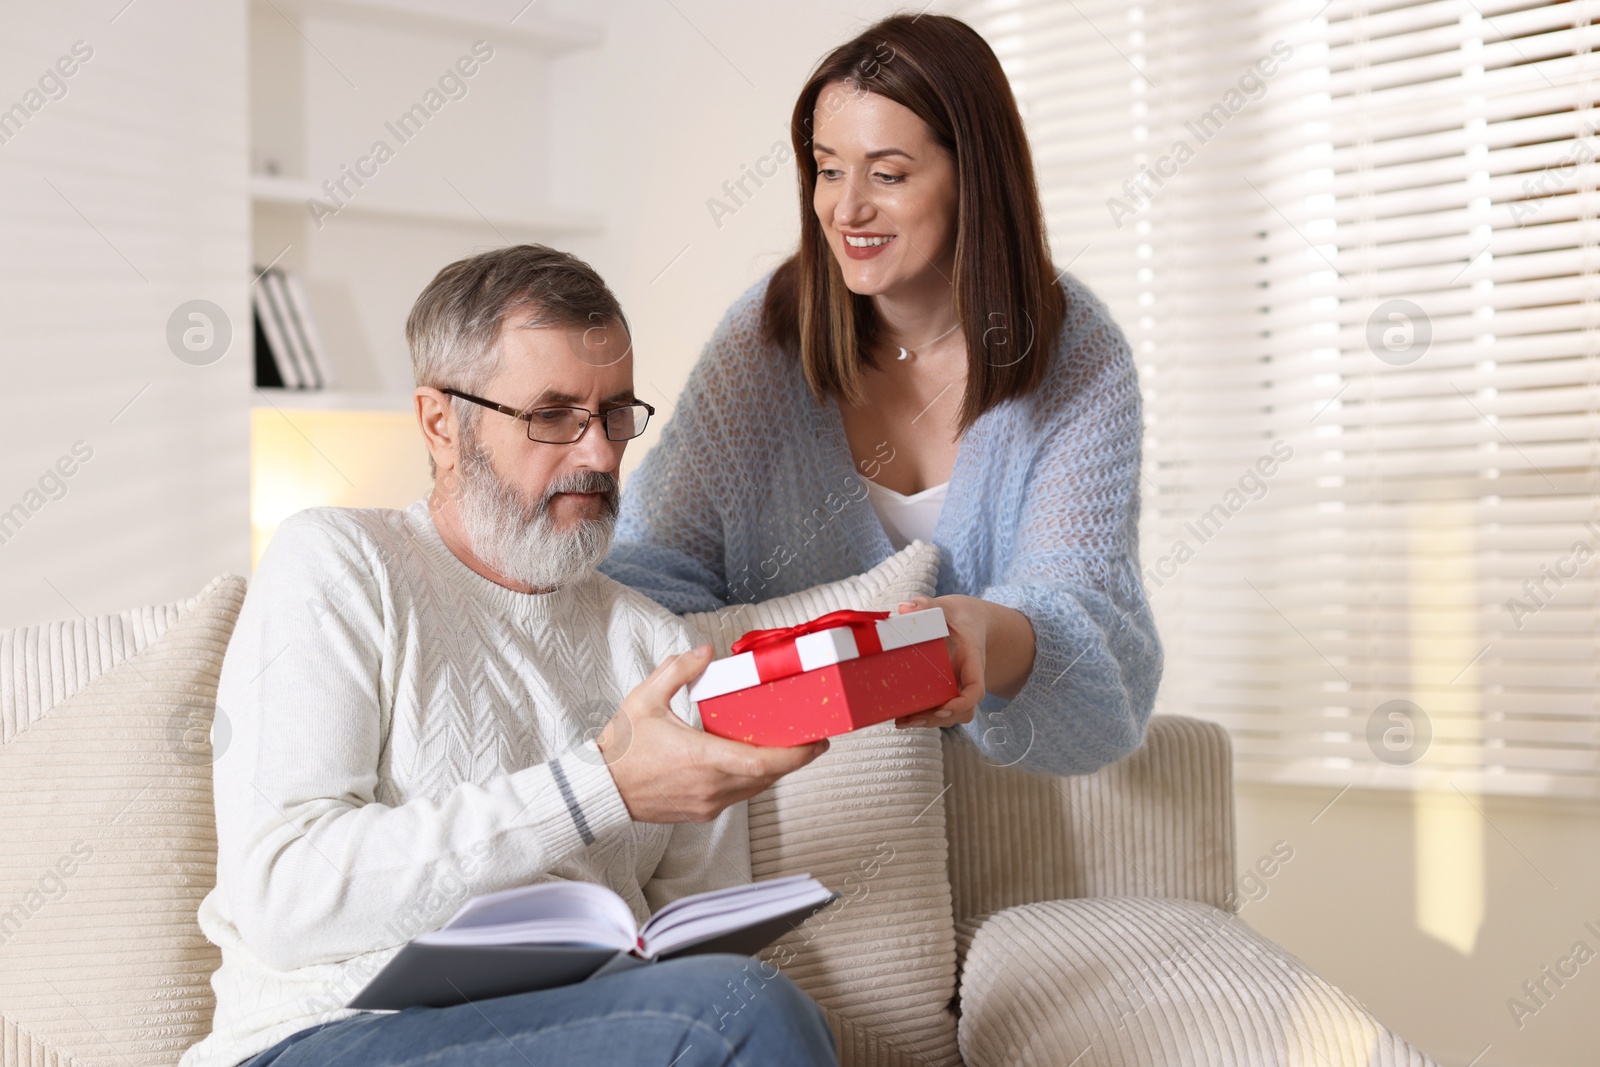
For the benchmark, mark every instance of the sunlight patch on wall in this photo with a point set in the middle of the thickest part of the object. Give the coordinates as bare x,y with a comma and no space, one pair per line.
1449,831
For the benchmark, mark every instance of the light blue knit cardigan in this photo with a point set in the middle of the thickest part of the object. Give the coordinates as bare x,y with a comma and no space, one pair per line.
752,493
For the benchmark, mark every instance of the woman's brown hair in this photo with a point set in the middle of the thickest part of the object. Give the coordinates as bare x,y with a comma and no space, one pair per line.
1006,297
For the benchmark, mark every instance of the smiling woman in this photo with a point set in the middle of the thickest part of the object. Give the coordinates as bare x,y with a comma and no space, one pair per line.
921,336
888,133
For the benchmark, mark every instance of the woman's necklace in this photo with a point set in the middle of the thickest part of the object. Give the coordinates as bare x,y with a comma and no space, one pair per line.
906,353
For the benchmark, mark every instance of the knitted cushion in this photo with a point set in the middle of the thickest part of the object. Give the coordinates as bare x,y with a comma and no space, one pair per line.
110,844
867,819
1142,982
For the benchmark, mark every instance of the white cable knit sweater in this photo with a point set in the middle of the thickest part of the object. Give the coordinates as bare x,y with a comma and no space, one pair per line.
407,734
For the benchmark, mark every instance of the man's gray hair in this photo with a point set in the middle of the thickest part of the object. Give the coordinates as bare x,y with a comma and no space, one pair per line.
455,323
454,326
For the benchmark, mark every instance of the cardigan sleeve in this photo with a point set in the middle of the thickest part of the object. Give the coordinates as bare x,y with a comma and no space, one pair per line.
1072,569
670,540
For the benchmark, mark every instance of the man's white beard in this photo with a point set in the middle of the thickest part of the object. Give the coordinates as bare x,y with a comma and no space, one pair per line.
521,542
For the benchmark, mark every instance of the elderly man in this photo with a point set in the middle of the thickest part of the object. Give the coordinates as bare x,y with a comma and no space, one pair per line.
449,700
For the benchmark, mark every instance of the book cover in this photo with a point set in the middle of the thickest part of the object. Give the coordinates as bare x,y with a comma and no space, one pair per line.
316,351
292,331
547,935
271,323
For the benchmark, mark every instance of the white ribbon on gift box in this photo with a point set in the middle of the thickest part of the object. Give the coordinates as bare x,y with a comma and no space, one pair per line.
821,649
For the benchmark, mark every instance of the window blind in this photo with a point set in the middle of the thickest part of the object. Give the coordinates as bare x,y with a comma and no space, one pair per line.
1353,247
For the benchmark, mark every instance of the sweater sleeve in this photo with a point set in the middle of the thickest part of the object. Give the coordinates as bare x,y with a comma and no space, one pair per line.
313,867
1073,571
670,538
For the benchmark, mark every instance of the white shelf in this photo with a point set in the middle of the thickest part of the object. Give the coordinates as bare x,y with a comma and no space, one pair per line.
275,189
330,400
531,29
414,226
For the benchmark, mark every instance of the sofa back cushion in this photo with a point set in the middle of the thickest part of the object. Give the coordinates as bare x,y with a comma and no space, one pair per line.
110,840
1158,823
867,819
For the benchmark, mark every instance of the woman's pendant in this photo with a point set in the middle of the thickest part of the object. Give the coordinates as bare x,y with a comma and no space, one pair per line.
903,354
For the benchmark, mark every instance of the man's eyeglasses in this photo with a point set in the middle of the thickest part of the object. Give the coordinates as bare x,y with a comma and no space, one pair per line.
564,425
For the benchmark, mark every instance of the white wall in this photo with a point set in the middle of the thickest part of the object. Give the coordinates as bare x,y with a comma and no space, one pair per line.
1522,877
118,202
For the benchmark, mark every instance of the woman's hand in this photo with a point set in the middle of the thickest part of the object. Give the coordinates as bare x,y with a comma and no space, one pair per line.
991,648
968,643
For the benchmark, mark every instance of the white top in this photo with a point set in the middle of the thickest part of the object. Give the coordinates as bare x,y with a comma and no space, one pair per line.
907,518
408,734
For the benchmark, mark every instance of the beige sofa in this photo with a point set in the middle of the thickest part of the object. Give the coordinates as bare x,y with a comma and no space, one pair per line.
989,915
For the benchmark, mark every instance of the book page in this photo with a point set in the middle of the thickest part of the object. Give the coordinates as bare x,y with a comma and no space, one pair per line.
704,915
732,893
543,913
587,933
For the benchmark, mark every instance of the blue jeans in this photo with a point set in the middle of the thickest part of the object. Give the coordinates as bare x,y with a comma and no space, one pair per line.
695,1011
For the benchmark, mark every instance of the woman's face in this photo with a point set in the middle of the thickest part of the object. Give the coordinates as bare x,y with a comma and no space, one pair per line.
886,192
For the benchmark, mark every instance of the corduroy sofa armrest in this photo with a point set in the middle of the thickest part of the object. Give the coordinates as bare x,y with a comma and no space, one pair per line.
1157,824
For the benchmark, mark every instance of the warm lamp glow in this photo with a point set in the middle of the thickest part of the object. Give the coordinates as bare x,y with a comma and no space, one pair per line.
306,459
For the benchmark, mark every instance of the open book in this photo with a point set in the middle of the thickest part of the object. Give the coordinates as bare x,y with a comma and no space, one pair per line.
557,933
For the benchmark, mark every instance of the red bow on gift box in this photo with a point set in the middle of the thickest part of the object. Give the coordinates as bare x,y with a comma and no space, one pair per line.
775,652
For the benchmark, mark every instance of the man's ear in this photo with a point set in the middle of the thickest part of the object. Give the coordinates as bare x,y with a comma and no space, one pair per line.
437,417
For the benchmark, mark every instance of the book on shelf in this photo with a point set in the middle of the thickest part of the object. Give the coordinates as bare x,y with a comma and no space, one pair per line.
290,352
270,338
558,933
316,351
293,335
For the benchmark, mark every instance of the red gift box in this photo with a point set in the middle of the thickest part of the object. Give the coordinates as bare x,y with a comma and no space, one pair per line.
838,673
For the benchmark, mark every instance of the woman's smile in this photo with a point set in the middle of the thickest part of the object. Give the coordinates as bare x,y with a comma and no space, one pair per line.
860,245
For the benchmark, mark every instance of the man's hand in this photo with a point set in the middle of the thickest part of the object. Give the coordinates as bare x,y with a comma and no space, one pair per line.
667,771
